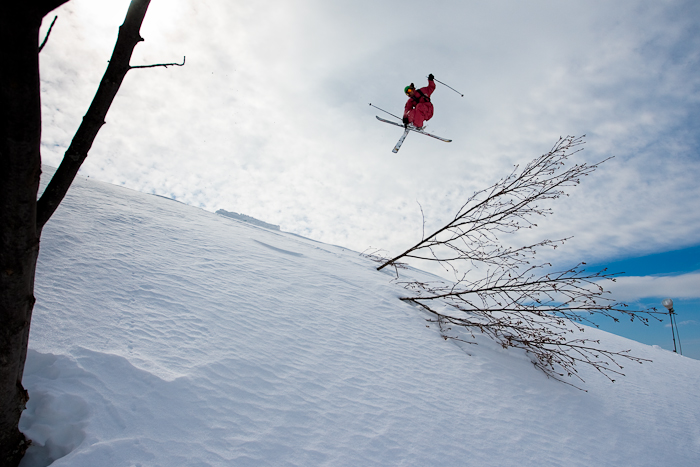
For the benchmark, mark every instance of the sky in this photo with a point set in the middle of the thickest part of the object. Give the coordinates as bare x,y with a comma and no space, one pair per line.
270,118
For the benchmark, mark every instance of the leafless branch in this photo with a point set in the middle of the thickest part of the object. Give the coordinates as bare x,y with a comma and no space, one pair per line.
541,314
379,256
47,34
129,36
505,207
515,301
422,215
166,65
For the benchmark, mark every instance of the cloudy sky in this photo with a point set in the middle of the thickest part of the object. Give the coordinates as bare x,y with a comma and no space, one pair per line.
270,117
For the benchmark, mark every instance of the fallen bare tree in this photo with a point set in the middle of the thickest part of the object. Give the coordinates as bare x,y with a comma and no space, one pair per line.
503,295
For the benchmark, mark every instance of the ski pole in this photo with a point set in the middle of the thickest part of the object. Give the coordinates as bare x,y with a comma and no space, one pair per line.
449,87
385,111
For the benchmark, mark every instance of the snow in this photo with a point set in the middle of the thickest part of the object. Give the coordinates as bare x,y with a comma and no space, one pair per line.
165,335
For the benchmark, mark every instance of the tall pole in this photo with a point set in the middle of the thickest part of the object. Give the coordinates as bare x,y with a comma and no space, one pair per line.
670,313
678,335
668,304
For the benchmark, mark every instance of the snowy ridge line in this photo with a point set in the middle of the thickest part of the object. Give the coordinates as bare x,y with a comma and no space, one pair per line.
169,198
248,219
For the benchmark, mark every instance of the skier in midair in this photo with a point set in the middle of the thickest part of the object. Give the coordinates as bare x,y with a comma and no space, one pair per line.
418,108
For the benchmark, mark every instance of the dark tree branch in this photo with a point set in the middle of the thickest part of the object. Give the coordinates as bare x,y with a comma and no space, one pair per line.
166,65
505,207
95,117
515,302
48,33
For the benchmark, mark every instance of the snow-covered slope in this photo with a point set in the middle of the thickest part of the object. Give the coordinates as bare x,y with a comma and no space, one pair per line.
165,335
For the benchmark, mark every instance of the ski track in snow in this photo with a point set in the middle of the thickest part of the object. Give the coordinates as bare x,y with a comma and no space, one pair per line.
165,335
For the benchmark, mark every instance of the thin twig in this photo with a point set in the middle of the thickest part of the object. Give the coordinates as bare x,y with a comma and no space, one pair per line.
166,65
47,34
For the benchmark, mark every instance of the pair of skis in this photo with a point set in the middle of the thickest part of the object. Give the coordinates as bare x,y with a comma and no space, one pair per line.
405,133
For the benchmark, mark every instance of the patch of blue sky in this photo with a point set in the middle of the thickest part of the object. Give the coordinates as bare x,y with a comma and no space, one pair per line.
669,262
687,308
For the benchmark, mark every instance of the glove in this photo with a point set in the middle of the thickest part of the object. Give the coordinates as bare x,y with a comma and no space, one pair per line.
405,120
431,77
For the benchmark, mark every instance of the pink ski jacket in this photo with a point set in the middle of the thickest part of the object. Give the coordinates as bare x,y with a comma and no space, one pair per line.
418,108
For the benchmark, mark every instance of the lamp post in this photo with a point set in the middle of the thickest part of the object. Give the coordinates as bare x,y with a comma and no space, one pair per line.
668,304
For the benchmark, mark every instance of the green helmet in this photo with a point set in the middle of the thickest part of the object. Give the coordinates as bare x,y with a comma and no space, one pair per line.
410,86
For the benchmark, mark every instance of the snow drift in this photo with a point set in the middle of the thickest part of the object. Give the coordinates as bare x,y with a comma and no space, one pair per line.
165,335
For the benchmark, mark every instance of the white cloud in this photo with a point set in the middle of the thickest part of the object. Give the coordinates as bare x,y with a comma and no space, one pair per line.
688,322
630,288
270,118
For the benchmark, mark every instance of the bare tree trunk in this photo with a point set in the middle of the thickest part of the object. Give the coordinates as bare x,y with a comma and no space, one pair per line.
20,169
21,217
